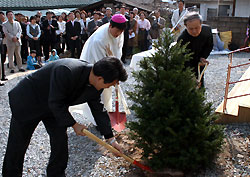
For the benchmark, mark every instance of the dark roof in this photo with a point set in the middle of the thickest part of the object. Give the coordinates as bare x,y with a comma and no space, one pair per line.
98,4
43,4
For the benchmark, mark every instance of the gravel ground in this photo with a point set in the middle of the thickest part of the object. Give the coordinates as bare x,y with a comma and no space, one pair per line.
86,158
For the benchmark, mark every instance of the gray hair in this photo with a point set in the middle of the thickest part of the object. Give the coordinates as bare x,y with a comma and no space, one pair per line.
192,16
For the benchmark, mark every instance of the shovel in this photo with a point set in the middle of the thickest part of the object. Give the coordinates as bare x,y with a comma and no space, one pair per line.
118,119
114,150
200,74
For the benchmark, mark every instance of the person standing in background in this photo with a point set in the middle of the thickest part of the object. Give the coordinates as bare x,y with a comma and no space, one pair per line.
13,31
49,28
24,38
157,24
126,34
94,24
84,24
73,31
132,34
34,33
108,15
60,33
3,48
144,27
177,15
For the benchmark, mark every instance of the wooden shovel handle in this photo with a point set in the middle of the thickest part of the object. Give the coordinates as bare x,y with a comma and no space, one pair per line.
106,145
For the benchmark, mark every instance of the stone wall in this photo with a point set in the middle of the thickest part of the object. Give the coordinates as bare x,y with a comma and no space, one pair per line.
237,25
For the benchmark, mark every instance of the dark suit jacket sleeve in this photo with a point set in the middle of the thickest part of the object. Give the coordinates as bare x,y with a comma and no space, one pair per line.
209,42
55,24
68,30
45,25
101,117
59,93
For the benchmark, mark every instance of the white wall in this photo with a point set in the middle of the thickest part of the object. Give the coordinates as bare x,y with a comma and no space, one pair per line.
242,8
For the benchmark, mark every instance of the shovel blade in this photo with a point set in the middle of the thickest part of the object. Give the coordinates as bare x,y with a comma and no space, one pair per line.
118,120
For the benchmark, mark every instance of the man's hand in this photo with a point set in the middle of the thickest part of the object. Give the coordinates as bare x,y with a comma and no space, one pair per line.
204,62
14,39
78,129
115,145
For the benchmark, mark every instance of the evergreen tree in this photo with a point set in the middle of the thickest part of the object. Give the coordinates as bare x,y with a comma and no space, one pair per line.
175,123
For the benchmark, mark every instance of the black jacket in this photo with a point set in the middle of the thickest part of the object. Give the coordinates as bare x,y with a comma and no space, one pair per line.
50,91
201,46
72,31
50,35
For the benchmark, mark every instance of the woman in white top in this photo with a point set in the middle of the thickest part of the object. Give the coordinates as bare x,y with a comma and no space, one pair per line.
61,34
84,24
144,27
34,32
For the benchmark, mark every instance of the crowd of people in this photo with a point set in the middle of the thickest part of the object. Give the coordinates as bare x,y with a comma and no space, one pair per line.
70,32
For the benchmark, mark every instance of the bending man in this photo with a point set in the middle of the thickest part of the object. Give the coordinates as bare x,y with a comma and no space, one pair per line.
48,93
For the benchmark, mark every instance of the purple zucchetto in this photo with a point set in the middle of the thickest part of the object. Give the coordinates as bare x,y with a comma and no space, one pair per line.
118,18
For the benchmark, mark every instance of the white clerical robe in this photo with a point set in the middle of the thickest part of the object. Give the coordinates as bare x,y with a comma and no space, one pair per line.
99,45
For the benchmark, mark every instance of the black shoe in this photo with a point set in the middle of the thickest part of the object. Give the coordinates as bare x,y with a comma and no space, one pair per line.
21,70
4,79
1,84
12,71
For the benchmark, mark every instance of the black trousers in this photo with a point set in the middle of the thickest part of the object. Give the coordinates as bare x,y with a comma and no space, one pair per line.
24,49
75,44
3,59
48,43
35,45
19,138
125,46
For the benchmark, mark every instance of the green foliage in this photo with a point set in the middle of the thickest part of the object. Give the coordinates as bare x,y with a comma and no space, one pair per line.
175,125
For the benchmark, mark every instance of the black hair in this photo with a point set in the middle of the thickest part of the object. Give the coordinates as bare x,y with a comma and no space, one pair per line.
9,12
120,26
32,51
181,1
32,18
1,12
111,69
49,12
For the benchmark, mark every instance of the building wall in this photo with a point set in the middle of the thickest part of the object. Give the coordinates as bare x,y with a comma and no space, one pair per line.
204,6
237,25
242,8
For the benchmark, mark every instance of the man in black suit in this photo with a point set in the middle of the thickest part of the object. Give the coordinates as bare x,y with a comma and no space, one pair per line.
73,31
46,96
49,28
95,23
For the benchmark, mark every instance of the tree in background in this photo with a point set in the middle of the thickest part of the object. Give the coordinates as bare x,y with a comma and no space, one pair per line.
175,125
